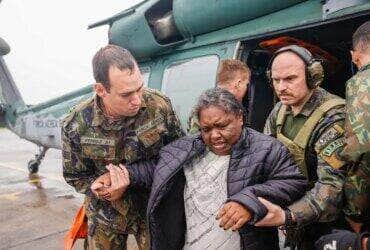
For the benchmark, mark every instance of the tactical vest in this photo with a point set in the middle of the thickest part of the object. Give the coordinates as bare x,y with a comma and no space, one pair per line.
298,145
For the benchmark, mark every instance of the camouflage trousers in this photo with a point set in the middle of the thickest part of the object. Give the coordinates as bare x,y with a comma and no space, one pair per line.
103,238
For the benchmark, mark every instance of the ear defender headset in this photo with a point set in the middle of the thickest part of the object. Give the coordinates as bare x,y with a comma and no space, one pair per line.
314,68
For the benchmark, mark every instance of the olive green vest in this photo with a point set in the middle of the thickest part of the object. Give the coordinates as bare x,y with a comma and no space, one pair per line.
298,145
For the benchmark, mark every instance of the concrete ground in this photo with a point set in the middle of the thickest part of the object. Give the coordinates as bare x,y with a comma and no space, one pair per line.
36,210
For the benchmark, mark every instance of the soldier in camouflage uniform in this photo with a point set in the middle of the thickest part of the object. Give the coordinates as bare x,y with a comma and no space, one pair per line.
232,75
356,151
309,121
123,123
357,143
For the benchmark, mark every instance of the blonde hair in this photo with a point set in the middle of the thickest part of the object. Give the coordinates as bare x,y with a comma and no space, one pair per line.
229,69
361,38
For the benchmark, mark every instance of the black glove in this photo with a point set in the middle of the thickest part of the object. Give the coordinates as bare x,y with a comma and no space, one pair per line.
340,240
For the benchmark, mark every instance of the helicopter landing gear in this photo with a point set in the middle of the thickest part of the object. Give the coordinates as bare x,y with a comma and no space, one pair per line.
33,165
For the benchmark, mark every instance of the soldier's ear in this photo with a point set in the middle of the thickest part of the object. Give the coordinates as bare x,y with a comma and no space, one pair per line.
235,84
355,57
100,90
352,54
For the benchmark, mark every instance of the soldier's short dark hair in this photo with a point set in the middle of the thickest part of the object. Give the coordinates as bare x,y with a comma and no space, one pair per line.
220,98
361,38
111,55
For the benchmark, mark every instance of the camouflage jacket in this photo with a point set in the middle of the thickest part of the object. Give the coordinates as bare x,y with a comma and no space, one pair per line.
322,201
90,141
357,146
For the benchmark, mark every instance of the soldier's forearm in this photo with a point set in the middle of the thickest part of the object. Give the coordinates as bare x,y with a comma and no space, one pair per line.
303,212
321,203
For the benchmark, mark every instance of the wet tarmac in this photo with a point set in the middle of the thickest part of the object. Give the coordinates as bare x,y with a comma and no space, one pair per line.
36,210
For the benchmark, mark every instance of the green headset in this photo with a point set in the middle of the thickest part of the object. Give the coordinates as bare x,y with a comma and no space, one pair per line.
314,68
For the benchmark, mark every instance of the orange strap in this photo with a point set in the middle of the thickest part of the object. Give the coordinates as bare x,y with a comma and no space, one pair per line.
78,229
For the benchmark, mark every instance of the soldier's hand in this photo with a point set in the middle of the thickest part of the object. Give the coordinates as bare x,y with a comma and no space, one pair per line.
100,186
275,215
119,181
233,216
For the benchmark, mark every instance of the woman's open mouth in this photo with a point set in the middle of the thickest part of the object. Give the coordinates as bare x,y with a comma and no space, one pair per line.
219,145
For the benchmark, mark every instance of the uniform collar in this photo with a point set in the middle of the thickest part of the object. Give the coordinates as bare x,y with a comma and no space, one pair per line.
311,104
365,67
99,117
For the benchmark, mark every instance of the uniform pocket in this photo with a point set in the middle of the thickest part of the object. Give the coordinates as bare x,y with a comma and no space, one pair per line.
151,136
98,148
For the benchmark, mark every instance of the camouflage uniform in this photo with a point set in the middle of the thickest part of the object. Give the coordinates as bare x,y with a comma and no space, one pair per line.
90,141
320,162
357,146
193,124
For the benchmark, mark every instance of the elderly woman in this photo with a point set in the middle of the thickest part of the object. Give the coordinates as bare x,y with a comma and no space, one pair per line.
205,188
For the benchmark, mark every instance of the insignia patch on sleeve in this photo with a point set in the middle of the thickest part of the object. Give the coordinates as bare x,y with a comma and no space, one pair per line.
332,147
329,154
332,133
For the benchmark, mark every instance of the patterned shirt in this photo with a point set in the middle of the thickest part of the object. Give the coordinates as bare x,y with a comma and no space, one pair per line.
204,195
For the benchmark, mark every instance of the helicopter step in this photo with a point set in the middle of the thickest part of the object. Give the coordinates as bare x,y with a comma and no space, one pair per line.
33,165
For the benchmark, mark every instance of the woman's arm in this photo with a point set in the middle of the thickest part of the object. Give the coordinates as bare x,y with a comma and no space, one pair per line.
284,184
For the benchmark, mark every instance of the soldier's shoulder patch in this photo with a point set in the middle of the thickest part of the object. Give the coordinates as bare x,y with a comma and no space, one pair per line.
329,153
329,136
332,147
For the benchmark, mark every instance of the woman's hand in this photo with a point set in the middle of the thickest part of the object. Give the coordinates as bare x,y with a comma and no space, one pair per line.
233,216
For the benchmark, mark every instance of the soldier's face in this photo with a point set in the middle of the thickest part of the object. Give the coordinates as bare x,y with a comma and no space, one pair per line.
124,96
288,73
220,130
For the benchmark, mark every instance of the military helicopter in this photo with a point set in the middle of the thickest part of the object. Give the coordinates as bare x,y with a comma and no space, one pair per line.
179,44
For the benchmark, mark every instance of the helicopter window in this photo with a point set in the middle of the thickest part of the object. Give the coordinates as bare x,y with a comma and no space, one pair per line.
145,72
184,81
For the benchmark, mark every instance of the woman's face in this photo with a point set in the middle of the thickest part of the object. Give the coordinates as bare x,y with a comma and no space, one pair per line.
220,130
